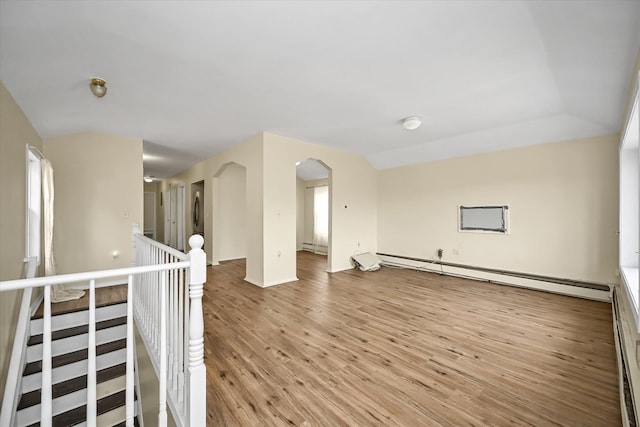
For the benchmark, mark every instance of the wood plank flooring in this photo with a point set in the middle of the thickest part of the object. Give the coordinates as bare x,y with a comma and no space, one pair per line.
403,348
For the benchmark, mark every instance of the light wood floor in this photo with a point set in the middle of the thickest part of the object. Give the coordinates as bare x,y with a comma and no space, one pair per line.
398,347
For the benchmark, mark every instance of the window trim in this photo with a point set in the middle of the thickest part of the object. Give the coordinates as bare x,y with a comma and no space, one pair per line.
33,202
505,220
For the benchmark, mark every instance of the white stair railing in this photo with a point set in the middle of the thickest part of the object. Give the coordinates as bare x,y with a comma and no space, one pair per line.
16,364
167,306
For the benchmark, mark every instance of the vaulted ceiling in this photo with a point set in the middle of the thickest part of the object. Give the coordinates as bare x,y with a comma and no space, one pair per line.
194,78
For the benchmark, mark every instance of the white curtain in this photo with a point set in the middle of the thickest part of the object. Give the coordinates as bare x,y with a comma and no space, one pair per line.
321,218
59,293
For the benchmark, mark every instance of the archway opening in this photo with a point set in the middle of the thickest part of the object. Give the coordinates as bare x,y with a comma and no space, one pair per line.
313,207
229,214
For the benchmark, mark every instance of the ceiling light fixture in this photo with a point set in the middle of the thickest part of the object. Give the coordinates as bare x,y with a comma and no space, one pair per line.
98,87
411,123
148,179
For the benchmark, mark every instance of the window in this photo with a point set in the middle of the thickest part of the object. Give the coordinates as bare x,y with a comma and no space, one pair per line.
321,216
34,203
491,219
630,206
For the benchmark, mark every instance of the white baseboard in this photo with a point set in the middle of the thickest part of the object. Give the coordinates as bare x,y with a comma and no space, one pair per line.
262,284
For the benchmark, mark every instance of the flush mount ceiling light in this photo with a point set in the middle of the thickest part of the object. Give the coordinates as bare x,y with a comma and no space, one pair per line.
98,87
411,123
148,179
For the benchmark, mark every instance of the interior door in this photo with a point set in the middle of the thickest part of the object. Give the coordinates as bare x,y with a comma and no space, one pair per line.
167,217
149,226
173,214
180,218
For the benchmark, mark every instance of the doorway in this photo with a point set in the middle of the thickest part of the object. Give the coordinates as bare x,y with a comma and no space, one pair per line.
149,222
174,217
229,218
313,190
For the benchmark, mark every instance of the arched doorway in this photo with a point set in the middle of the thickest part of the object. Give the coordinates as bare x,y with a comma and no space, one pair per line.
229,213
313,203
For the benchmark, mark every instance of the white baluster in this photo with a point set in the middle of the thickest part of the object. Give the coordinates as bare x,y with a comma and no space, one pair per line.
162,413
181,337
46,396
197,382
129,372
92,410
174,325
170,328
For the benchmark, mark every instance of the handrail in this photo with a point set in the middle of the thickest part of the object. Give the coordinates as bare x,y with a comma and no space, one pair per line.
12,285
10,397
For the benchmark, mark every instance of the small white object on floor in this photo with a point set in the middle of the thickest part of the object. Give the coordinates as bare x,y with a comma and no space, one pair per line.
367,261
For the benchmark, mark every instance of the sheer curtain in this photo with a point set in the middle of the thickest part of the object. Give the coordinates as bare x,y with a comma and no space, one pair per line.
59,293
321,218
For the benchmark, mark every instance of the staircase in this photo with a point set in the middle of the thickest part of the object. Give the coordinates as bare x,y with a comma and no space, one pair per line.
77,364
69,367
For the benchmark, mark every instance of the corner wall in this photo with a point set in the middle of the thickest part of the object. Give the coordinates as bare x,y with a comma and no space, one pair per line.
563,209
15,133
98,198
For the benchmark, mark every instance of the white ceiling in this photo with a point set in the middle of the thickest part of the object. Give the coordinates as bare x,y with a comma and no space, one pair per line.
194,78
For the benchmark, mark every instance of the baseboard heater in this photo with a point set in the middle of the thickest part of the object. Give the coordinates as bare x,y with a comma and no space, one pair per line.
537,277
314,248
628,408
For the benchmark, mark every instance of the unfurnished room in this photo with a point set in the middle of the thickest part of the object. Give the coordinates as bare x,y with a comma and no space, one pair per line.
320,213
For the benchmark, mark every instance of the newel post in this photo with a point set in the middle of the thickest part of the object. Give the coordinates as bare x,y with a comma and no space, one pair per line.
197,376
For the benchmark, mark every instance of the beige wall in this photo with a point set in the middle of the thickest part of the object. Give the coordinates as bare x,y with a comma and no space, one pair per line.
249,155
15,133
230,219
352,200
272,207
98,198
563,209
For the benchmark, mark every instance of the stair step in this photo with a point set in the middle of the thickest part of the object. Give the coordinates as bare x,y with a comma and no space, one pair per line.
78,330
75,310
71,409
65,359
79,317
77,342
72,370
75,384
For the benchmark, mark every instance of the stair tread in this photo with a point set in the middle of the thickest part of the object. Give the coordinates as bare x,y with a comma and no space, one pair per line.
78,330
124,423
75,384
76,310
65,359
79,414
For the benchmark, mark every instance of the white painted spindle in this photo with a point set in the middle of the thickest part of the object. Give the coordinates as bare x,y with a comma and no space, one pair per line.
130,410
92,400
162,412
46,400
